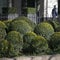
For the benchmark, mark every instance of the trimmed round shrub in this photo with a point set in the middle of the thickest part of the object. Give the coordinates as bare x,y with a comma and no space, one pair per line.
27,39
34,44
44,29
2,34
2,25
21,26
54,23
39,45
2,30
31,23
58,29
4,48
8,22
15,42
54,42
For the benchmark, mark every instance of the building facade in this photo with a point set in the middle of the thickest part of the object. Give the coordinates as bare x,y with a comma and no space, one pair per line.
21,7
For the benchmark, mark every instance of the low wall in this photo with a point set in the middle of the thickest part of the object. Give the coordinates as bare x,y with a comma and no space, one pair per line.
44,57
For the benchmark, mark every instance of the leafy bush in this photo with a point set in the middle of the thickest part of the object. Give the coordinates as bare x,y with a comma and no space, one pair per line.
8,22
55,24
15,42
44,29
34,44
58,29
54,42
2,25
2,34
27,20
2,30
21,26
39,45
4,48
27,39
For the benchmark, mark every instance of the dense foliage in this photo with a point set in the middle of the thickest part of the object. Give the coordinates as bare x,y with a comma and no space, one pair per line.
15,42
8,23
32,24
4,48
21,26
39,45
2,25
54,42
34,44
2,30
27,40
55,24
23,37
44,29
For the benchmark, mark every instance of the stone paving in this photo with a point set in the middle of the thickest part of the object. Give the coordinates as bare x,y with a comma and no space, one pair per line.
45,57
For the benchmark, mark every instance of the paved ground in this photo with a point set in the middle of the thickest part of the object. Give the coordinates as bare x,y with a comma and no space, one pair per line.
45,57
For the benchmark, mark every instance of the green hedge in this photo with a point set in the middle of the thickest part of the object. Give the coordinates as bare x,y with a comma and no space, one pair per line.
2,25
32,24
2,30
34,44
54,42
2,34
4,48
27,39
40,45
44,29
15,43
58,29
54,23
21,26
8,23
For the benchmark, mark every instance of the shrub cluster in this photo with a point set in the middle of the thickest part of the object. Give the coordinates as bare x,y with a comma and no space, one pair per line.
8,23
12,46
32,24
44,29
34,44
3,48
21,26
2,31
27,40
55,24
22,37
54,42
15,42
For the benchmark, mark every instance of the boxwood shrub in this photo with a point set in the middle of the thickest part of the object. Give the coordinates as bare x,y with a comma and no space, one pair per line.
54,42
34,44
8,23
4,48
54,23
39,45
15,43
27,39
2,25
2,30
32,24
21,26
2,34
44,29
58,29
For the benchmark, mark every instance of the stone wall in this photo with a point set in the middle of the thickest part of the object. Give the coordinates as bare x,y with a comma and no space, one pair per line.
44,57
